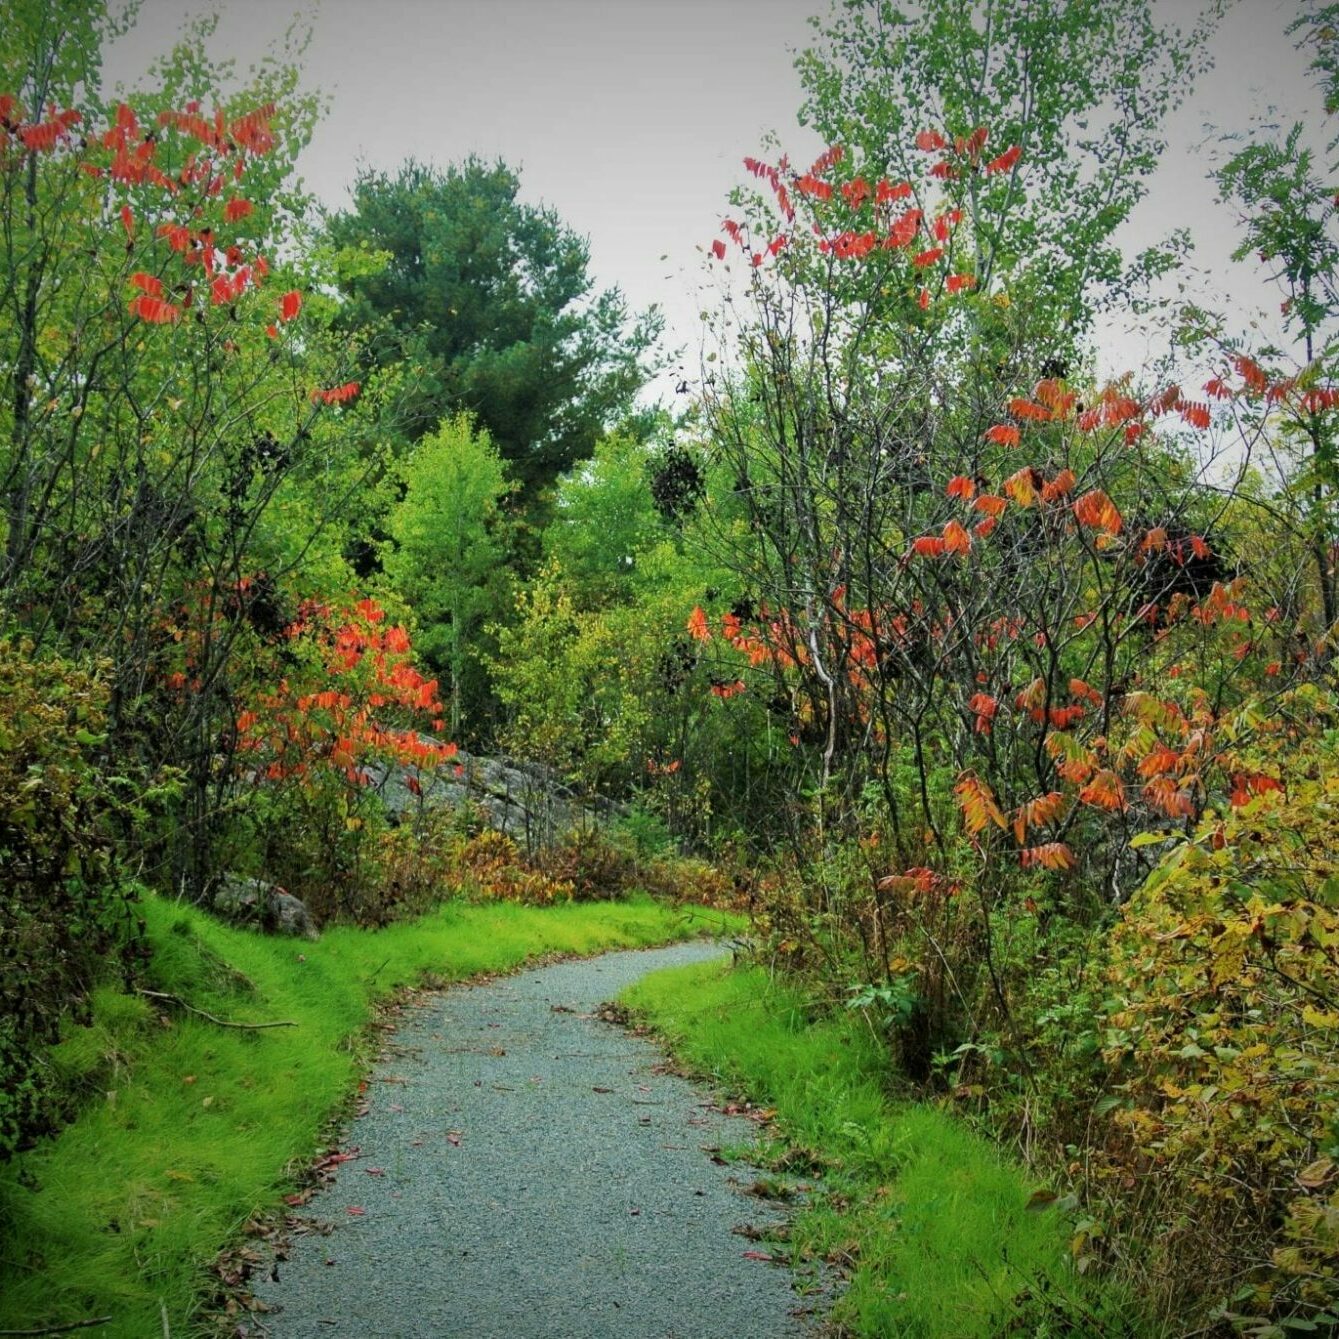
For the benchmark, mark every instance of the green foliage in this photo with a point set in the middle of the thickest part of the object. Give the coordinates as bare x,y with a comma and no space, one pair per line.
1083,89
930,1223
574,682
1221,1036
170,456
493,300
1283,190
191,1129
449,546
65,906
604,522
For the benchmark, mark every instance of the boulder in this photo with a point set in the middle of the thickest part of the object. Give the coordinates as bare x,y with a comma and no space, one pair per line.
262,905
528,801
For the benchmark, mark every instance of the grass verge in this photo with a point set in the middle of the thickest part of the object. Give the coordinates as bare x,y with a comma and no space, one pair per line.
188,1129
931,1222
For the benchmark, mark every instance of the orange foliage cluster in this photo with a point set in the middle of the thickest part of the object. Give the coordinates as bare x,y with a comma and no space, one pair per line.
366,678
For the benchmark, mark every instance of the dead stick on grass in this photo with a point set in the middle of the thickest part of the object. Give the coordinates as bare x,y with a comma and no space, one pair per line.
64,1329
190,1008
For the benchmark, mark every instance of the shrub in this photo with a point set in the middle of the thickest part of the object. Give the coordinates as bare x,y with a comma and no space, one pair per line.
1223,1037
63,906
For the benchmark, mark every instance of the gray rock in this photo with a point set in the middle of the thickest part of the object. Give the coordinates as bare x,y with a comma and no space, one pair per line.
528,801
263,905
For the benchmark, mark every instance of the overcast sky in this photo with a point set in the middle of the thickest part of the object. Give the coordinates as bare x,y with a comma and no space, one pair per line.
630,116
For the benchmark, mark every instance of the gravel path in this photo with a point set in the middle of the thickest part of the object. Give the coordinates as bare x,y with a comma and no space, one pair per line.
526,1172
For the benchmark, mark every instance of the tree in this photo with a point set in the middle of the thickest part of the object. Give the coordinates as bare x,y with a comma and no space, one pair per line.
1286,199
494,298
449,539
171,447
604,519
1081,87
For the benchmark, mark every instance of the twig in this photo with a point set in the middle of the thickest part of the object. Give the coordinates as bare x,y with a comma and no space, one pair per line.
190,1008
64,1329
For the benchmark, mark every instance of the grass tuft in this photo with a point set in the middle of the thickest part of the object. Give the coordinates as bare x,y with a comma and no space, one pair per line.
928,1217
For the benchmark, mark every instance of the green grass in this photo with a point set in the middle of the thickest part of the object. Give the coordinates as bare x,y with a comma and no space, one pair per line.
188,1129
933,1216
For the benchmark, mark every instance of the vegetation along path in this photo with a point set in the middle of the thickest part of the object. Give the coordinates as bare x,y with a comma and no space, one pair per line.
524,1169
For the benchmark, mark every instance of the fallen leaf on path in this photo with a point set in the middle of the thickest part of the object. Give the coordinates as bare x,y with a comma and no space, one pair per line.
453,1137
375,1171
758,1255
357,1211
598,1089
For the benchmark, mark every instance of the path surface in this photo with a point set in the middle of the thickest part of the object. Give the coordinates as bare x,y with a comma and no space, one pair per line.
525,1172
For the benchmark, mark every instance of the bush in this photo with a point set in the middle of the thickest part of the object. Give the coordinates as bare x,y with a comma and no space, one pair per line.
1223,1036
64,909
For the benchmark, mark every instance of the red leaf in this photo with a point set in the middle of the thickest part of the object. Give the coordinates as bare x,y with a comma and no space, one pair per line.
147,283
1005,162
237,209
697,625
928,141
128,221
155,310
289,305
1028,409
718,249
1003,434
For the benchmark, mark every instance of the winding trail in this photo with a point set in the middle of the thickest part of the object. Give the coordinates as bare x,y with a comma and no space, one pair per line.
526,1171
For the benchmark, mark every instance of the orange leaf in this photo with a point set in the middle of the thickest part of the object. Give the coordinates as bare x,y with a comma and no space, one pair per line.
1029,409
1003,434
1049,855
698,628
977,803
1023,486
1062,484
1097,510
956,539
1104,791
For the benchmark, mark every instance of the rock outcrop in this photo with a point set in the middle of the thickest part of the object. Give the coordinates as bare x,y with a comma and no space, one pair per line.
527,801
